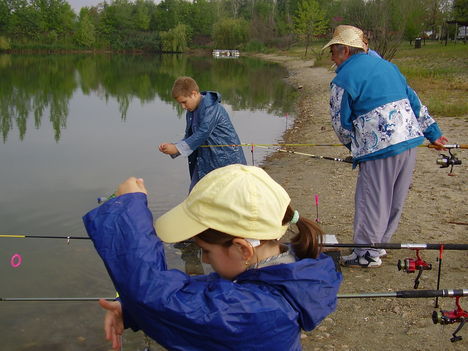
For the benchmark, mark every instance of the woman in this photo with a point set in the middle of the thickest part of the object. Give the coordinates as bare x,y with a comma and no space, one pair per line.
263,292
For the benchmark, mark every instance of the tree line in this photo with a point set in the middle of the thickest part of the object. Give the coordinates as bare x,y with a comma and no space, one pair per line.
176,25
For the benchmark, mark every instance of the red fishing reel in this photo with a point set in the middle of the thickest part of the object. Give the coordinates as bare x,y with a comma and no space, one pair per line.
459,315
411,265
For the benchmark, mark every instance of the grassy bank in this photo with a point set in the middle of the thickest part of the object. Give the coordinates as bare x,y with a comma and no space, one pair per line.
438,73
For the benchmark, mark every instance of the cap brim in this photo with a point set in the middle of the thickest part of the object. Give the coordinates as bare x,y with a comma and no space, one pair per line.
176,225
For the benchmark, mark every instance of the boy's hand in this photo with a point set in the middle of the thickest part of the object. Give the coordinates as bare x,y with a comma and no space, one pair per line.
132,185
168,148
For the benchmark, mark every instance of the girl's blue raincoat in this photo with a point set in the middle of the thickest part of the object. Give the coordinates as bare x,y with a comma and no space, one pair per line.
262,309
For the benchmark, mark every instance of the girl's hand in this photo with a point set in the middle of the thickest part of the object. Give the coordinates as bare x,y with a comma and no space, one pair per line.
113,322
132,185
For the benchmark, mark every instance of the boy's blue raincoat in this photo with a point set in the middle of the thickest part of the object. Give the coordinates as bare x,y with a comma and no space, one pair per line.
211,126
262,309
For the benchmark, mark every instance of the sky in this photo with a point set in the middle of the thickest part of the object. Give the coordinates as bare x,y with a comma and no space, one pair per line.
78,4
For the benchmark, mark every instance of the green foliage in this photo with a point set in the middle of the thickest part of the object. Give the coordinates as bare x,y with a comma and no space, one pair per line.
142,15
255,46
4,43
460,10
175,39
230,33
123,24
309,21
85,35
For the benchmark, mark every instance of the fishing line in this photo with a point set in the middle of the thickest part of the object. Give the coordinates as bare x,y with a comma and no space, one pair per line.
432,146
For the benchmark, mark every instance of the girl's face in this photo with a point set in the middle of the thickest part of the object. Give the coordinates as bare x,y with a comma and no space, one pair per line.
228,262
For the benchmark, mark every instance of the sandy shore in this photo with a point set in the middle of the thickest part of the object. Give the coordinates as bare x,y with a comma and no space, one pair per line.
436,211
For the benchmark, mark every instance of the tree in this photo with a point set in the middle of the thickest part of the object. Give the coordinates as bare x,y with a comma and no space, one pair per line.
142,15
309,21
175,39
230,33
415,21
460,10
85,35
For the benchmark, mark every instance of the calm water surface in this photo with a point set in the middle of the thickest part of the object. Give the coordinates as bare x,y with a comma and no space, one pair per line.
74,127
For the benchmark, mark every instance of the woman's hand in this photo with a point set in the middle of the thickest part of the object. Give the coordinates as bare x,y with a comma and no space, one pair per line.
132,185
113,322
439,143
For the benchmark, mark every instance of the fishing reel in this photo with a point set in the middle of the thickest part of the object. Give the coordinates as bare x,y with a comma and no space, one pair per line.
448,161
411,265
450,317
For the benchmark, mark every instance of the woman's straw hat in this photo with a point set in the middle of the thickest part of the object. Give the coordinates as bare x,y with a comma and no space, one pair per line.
347,35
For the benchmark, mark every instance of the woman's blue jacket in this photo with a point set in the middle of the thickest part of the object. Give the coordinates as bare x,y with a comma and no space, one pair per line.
262,309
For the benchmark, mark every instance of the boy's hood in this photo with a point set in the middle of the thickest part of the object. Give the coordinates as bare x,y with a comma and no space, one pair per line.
211,97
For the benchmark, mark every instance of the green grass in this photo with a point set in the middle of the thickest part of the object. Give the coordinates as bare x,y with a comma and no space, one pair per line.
439,74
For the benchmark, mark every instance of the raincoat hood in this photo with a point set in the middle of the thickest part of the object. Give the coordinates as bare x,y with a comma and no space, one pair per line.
301,284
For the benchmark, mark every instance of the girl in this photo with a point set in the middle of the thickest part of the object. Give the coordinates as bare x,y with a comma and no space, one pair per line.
263,292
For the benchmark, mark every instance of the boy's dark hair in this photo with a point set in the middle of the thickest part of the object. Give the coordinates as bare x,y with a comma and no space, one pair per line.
184,86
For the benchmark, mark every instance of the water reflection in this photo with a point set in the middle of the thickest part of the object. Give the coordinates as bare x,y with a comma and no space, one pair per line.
73,128
42,86
190,254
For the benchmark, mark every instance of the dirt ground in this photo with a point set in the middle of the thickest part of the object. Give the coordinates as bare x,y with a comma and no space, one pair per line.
436,211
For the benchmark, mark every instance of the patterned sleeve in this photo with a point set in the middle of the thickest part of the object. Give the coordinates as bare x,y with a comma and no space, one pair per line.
428,125
341,114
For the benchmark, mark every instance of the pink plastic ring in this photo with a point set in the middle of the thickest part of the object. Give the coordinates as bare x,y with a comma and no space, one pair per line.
16,260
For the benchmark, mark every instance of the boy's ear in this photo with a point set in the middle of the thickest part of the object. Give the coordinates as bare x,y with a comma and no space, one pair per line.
246,249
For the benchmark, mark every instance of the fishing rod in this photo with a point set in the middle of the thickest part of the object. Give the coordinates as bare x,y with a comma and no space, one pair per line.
396,294
410,265
68,237
53,299
443,317
397,246
408,294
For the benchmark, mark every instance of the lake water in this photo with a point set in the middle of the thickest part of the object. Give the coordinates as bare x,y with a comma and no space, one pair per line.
73,128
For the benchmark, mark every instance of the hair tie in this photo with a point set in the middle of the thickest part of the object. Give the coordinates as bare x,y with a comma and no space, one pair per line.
295,217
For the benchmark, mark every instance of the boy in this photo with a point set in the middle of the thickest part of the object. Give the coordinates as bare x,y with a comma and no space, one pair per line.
208,123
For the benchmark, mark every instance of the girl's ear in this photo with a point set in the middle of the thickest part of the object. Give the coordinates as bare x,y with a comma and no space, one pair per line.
245,248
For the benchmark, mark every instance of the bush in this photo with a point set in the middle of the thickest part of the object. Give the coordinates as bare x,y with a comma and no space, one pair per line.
4,43
255,46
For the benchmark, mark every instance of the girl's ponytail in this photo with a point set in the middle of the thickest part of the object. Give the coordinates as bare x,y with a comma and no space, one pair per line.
308,242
